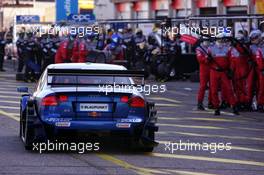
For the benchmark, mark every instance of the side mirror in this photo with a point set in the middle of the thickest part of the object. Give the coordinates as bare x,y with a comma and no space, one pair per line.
22,89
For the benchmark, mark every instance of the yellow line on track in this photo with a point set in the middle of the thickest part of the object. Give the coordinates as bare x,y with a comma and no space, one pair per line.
198,118
9,115
10,92
166,105
15,85
6,96
8,107
7,101
181,172
210,127
201,158
178,93
212,112
138,170
191,126
165,112
164,99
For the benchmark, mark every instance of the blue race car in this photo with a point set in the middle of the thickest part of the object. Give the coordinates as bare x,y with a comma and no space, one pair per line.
88,98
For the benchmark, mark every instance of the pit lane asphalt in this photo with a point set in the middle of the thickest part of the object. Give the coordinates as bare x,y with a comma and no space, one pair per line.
178,120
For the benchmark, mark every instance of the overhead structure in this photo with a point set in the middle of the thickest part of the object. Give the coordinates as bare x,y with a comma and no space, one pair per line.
17,3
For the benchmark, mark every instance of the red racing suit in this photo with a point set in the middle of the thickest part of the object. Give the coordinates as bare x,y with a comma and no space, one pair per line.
75,51
240,67
66,52
260,72
218,77
83,52
202,58
252,83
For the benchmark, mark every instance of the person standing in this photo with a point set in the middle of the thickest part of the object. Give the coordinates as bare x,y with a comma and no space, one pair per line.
240,67
202,57
20,44
219,69
260,72
252,79
2,51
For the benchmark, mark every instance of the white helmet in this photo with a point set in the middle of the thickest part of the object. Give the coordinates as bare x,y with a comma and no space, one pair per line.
220,36
255,34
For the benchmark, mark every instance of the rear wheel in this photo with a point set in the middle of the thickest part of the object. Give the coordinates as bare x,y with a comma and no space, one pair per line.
27,131
141,146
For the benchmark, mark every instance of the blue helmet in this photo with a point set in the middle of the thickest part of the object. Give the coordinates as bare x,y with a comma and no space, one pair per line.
115,38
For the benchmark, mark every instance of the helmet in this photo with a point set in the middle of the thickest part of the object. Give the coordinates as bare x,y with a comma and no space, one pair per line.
115,38
220,36
120,30
255,34
240,36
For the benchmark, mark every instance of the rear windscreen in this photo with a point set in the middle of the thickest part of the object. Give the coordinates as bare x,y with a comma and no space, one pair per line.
87,80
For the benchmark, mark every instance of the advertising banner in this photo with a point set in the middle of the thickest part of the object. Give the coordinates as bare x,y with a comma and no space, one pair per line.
27,19
64,8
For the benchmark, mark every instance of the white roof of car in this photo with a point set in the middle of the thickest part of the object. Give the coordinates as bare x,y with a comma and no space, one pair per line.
86,66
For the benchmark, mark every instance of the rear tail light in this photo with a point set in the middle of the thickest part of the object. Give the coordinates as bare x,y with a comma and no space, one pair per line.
49,101
137,102
53,100
63,98
124,99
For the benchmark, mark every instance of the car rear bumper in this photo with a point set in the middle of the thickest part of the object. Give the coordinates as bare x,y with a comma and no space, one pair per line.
104,126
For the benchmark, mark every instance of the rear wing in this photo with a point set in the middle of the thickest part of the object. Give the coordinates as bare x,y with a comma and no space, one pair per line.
102,73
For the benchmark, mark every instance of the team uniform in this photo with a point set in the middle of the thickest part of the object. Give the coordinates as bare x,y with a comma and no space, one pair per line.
65,51
260,72
204,74
218,76
240,67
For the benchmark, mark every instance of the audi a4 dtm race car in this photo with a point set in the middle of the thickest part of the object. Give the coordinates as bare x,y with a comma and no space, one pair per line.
76,98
